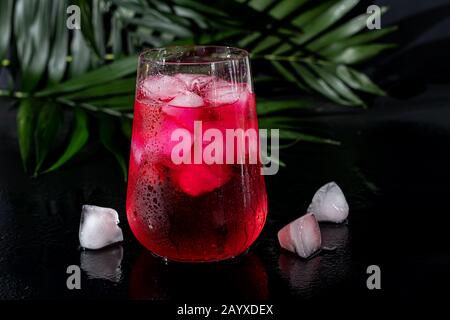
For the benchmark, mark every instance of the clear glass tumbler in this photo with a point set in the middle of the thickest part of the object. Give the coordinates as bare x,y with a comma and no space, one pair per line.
195,189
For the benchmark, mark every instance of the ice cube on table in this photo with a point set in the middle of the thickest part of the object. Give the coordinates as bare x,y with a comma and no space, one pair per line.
198,179
301,236
99,227
163,88
329,204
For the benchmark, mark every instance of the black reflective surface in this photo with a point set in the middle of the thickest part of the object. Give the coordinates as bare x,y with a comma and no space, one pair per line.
392,165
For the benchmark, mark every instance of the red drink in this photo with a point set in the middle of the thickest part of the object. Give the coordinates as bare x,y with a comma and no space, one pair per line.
193,211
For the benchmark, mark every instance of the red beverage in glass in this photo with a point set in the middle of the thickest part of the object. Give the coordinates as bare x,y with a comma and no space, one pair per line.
194,211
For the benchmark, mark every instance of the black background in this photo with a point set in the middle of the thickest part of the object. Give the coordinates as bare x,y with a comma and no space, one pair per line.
393,166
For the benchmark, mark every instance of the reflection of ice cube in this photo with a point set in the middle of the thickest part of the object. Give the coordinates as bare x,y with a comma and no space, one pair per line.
301,236
198,179
163,87
99,227
329,204
103,264
334,236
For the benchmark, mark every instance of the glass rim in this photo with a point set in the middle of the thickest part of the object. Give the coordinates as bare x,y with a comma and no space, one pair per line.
156,55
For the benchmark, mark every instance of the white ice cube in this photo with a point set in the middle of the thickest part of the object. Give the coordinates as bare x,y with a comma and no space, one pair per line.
329,204
99,227
301,236
163,87
194,82
221,92
186,99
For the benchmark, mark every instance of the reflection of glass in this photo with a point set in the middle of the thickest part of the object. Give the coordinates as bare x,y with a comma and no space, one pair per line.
103,264
243,278
197,211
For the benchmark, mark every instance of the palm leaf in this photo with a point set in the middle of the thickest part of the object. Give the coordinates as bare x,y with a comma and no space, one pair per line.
59,49
302,40
359,54
324,20
266,107
288,130
6,7
47,126
109,89
358,80
26,117
78,139
31,25
342,32
360,39
81,55
87,26
295,46
104,74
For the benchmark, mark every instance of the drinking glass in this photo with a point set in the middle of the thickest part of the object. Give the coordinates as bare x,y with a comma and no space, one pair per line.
195,189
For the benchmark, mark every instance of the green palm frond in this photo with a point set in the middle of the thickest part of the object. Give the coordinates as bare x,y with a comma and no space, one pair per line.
297,46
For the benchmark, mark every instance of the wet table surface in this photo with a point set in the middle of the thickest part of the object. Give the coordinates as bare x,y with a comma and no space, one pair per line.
393,166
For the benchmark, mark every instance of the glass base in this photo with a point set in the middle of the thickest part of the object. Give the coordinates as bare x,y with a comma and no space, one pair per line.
187,261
